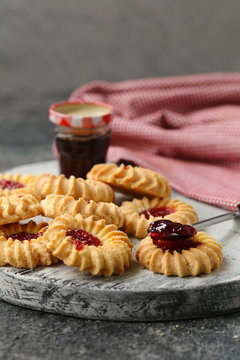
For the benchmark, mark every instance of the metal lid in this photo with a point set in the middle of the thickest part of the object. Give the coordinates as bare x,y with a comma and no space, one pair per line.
81,114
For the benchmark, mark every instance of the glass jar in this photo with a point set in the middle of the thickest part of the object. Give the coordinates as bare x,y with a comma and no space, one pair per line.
82,135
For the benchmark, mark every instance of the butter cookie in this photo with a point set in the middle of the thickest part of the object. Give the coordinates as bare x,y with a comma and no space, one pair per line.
89,245
24,246
46,184
14,208
188,256
139,213
135,181
55,205
15,184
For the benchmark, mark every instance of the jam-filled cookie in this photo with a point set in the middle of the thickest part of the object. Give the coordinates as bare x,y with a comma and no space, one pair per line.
89,245
46,184
55,205
15,183
135,181
14,208
24,246
139,213
176,249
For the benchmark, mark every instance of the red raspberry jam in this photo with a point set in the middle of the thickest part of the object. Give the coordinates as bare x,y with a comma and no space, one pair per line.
8,184
172,236
80,238
157,211
21,236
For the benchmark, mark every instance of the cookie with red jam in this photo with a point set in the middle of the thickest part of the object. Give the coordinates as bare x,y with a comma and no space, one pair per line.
177,249
24,246
139,213
16,184
135,181
89,245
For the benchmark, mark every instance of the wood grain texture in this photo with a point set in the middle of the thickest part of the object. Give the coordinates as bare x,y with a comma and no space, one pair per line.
138,294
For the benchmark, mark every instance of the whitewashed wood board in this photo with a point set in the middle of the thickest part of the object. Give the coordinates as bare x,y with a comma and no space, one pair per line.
138,294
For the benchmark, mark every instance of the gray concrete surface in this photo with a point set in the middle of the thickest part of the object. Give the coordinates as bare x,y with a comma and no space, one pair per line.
31,335
61,44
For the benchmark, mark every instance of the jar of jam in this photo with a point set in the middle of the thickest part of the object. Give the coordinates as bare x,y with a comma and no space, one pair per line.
82,135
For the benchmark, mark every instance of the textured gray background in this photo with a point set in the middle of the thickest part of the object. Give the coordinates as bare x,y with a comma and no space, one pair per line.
58,43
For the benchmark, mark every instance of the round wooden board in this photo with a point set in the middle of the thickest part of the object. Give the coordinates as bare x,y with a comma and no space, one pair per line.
138,294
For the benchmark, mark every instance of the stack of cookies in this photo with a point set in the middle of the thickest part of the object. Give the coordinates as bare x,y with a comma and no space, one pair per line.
89,231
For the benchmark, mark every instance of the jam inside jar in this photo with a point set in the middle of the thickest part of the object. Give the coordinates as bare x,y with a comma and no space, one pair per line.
82,135
79,150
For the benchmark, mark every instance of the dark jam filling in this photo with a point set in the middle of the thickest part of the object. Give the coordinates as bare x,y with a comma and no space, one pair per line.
21,236
172,236
157,211
77,157
7,184
125,162
80,238
178,246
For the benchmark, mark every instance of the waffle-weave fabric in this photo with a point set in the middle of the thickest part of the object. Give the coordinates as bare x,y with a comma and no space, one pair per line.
186,127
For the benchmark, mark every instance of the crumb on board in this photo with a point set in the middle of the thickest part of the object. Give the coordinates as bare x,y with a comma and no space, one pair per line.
160,332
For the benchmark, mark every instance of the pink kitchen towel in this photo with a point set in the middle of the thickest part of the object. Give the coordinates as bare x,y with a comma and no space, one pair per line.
185,127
